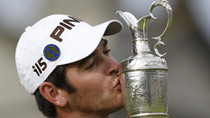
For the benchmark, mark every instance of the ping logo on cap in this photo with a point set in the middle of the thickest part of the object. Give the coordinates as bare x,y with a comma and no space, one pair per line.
66,23
51,52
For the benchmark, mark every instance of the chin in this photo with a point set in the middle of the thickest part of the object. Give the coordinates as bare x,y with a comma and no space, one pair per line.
117,107
111,109
118,104
113,105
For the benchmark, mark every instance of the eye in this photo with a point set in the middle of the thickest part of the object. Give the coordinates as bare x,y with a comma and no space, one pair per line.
107,51
90,64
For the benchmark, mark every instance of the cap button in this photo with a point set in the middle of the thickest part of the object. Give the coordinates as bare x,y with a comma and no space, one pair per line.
28,28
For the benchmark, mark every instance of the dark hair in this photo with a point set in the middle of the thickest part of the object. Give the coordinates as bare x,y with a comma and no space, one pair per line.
58,78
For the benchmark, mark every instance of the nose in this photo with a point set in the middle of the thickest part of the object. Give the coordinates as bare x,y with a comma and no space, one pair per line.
112,67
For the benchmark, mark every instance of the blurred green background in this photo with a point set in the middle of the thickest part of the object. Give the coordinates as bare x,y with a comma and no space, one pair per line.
187,47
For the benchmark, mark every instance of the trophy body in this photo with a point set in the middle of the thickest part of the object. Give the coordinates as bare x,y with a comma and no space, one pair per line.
145,75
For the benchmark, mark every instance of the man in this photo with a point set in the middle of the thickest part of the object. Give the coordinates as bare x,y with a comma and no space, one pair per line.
67,65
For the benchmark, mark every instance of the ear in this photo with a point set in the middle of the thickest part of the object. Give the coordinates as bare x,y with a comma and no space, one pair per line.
53,94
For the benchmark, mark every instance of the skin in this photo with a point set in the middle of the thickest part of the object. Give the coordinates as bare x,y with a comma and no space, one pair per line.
96,81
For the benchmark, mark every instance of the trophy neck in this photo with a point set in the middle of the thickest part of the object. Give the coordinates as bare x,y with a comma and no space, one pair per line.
140,46
140,42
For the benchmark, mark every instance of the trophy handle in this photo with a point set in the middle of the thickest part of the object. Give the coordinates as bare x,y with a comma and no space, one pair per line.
167,7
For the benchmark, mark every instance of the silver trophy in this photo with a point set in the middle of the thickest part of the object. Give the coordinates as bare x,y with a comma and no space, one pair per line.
144,81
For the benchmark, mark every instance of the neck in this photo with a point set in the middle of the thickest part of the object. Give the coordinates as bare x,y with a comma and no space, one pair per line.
70,113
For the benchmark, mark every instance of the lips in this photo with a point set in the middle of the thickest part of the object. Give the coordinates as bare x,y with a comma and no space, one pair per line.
117,84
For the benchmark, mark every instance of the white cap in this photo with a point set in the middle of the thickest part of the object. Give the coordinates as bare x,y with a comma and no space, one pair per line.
53,41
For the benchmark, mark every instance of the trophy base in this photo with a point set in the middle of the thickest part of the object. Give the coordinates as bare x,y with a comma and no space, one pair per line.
150,115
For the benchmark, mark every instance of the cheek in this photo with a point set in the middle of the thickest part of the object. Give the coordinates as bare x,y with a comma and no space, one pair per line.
89,82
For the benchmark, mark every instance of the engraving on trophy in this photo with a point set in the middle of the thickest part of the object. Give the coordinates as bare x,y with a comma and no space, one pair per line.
158,91
146,91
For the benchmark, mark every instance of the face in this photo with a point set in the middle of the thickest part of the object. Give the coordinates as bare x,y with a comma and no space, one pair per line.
96,80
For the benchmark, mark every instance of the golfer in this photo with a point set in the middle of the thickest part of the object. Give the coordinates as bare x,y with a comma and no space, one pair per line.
66,64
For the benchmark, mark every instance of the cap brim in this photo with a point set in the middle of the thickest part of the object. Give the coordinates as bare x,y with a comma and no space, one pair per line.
113,27
87,41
